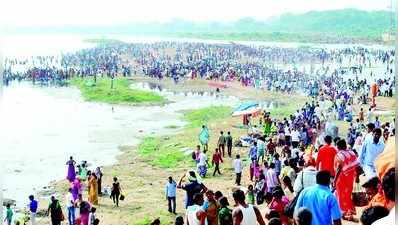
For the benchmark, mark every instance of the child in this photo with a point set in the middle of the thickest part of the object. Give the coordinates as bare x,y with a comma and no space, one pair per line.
91,217
250,194
9,214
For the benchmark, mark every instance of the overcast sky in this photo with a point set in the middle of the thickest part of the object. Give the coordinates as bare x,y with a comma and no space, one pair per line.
97,12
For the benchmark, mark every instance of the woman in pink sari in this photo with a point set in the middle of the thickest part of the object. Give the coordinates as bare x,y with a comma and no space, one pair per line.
345,164
85,208
76,188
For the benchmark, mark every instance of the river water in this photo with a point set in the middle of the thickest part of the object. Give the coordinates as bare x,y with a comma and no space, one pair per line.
42,126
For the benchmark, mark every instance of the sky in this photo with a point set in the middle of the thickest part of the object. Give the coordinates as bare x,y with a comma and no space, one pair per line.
36,13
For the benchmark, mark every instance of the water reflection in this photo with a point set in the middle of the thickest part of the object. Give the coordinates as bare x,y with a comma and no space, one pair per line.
42,126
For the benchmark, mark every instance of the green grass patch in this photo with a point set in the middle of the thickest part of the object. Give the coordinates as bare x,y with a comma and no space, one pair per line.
171,127
164,217
284,111
161,152
165,152
198,117
144,221
121,93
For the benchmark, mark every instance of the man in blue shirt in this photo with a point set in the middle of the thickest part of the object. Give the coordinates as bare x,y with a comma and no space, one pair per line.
171,189
33,205
371,149
320,201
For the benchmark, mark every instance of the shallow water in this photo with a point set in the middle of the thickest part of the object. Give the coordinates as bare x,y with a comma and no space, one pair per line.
42,126
155,87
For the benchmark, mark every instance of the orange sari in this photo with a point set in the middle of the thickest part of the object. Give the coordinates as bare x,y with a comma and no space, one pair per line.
347,161
93,191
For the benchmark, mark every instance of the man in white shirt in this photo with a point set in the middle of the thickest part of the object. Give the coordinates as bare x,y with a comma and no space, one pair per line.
238,167
295,134
371,149
305,178
70,205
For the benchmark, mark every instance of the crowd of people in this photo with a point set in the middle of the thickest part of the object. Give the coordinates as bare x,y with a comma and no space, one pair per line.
270,68
288,168
300,169
80,201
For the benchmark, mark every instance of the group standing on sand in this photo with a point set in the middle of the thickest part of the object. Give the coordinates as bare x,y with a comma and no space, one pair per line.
78,211
292,161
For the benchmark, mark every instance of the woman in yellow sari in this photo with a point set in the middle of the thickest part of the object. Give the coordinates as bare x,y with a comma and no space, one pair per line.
93,189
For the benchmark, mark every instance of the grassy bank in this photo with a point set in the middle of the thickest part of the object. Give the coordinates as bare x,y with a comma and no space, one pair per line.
143,170
121,93
167,152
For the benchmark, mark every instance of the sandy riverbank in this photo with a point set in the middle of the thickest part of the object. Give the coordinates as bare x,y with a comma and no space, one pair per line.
144,182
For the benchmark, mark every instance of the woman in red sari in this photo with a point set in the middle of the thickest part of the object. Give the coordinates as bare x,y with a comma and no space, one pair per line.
345,164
